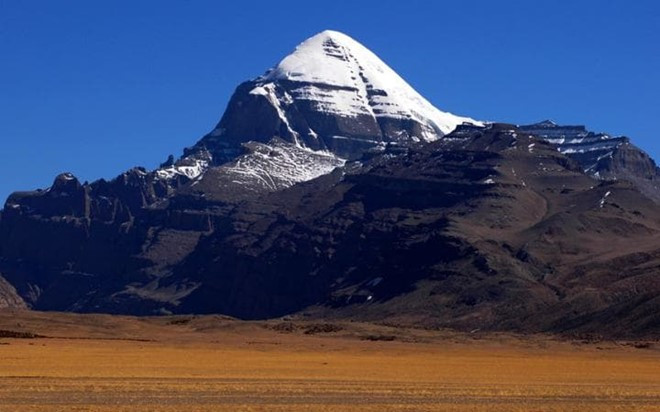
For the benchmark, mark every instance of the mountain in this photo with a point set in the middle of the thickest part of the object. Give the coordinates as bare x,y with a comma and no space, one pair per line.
330,188
330,94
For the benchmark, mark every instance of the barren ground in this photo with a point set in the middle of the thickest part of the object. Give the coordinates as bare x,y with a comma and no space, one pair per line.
211,363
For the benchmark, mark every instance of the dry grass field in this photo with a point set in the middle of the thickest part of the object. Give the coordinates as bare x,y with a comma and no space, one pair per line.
104,363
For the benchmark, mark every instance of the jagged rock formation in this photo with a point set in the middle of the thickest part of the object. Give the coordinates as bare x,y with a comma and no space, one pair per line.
602,156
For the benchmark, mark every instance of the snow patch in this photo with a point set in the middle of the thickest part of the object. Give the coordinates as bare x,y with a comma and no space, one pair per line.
190,168
279,165
601,203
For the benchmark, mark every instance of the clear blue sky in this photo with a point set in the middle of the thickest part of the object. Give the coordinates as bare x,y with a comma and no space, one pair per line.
96,87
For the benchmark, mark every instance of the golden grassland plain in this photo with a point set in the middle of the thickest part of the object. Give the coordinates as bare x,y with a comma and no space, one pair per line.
212,363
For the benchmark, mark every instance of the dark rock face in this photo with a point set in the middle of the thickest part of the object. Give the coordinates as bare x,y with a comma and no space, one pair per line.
66,197
61,244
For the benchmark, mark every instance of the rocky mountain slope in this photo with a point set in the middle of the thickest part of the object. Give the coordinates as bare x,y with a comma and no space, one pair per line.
331,188
8,296
602,156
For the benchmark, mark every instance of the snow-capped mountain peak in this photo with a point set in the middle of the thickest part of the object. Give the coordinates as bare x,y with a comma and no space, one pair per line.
331,97
331,94
364,83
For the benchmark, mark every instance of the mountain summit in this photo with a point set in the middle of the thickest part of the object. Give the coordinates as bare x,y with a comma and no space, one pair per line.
367,84
334,94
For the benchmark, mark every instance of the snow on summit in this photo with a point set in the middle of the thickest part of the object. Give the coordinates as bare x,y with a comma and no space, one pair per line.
362,83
